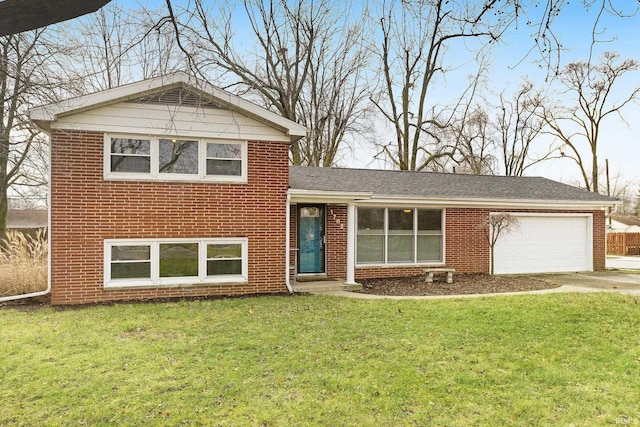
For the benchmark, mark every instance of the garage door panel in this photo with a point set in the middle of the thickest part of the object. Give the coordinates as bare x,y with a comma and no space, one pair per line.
543,244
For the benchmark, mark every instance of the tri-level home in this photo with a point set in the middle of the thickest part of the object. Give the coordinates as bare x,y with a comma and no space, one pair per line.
170,187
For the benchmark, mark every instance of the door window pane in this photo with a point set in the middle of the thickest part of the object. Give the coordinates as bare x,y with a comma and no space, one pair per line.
130,155
178,156
178,259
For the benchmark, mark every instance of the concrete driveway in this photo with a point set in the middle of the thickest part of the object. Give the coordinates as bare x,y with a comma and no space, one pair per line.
623,262
598,281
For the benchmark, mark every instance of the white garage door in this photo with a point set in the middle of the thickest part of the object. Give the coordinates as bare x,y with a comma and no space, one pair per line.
546,244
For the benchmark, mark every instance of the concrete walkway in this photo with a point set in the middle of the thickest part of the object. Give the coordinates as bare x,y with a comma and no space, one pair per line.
588,282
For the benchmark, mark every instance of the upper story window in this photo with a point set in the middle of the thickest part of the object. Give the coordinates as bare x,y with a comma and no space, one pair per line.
130,155
185,159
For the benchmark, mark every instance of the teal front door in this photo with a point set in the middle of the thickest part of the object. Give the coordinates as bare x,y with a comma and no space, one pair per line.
311,239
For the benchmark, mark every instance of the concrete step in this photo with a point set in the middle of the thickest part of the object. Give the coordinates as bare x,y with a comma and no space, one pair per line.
325,286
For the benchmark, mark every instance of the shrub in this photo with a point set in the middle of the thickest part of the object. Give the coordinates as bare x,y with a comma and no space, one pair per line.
23,263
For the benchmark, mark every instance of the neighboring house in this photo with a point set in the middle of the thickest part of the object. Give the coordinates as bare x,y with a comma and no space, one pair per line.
172,188
26,219
623,224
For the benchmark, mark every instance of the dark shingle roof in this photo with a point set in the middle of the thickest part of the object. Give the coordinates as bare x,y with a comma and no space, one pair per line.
437,185
627,219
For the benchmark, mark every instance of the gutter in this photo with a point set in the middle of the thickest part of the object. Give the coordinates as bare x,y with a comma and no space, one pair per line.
287,273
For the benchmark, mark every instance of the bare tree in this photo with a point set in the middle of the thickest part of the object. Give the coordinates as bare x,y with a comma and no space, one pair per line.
307,64
495,226
591,87
24,80
414,40
474,142
517,125
116,46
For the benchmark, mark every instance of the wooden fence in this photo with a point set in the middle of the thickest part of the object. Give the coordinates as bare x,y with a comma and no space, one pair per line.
623,244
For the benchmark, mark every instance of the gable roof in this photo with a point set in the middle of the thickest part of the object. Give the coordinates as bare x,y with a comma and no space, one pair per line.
443,187
626,219
165,89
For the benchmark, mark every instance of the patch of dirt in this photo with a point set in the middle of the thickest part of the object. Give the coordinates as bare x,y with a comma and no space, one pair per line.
462,284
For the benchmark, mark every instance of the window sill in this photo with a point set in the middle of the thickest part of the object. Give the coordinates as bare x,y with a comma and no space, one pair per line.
234,280
179,179
402,265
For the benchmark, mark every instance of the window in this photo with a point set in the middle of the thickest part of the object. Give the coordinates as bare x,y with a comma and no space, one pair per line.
399,236
224,259
130,155
175,159
224,159
130,262
370,245
429,235
175,262
178,156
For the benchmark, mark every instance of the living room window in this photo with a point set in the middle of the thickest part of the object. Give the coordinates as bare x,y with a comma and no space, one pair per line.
184,159
150,262
399,236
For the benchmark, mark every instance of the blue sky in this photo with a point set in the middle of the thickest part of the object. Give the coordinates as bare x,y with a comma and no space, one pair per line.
619,142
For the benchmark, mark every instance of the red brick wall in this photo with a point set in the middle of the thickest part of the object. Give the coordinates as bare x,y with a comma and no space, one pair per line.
86,209
467,249
336,248
599,241
466,246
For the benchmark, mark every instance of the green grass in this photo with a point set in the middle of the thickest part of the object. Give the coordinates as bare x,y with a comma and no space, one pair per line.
565,359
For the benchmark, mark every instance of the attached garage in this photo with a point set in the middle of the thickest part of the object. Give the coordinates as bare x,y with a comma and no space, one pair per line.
546,243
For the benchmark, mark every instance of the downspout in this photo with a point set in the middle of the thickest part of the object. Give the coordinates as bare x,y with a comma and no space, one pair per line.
287,248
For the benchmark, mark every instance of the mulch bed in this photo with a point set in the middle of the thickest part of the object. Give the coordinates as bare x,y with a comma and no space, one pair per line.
462,284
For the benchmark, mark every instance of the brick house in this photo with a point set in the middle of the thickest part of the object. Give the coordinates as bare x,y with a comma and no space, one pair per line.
171,188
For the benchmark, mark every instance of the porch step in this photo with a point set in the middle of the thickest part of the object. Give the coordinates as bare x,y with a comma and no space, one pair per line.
325,286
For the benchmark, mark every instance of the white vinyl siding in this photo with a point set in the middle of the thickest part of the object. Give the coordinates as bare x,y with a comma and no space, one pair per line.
174,262
546,243
144,119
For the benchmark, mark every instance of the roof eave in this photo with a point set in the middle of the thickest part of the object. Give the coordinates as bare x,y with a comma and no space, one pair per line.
316,196
44,115
369,198
498,203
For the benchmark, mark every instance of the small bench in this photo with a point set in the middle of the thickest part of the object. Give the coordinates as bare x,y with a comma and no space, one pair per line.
430,271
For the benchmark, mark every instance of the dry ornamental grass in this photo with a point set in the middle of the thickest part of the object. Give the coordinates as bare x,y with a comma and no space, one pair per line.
23,263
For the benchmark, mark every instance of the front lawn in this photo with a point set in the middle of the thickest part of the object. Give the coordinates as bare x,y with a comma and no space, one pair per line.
562,359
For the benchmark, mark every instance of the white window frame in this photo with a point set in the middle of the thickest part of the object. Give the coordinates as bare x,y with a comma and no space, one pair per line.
155,280
415,262
155,175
